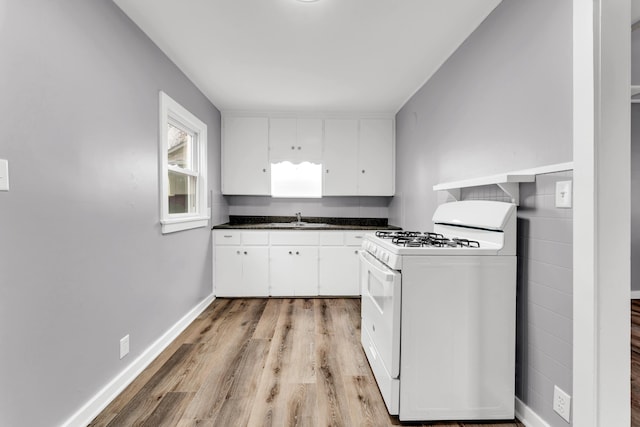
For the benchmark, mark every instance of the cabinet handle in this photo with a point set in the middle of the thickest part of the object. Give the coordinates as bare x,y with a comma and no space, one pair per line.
238,252
297,253
290,253
357,237
245,252
362,170
355,252
327,170
264,170
226,236
299,148
293,148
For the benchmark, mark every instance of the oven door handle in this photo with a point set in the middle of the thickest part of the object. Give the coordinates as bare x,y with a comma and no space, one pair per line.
383,273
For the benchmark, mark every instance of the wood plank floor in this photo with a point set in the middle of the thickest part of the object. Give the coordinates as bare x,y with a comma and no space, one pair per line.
261,362
635,362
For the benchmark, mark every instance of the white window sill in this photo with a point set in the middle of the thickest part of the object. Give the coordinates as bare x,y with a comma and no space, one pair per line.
173,225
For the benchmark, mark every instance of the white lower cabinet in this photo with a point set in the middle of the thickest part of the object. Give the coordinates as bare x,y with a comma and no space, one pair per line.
339,263
242,271
286,263
293,271
339,271
293,263
241,263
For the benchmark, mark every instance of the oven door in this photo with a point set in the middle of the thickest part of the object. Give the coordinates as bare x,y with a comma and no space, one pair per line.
381,295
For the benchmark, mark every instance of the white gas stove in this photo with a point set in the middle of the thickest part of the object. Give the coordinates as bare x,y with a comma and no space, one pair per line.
458,230
438,314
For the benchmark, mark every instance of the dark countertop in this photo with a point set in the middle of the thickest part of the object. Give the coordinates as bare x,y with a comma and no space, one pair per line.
242,222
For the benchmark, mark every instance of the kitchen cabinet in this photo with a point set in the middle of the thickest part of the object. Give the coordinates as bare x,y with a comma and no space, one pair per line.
339,264
295,140
293,271
340,157
245,156
359,157
241,264
293,263
376,160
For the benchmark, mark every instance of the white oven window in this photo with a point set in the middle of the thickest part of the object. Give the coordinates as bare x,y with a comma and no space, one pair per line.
376,290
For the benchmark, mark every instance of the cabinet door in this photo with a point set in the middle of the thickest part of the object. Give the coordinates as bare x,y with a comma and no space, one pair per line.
282,140
293,271
295,140
255,271
340,157
245,156
305,272
228,271
339,271
376,161
309,136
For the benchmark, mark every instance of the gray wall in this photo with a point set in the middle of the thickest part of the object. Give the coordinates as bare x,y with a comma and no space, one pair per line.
82,259
347,207
503,102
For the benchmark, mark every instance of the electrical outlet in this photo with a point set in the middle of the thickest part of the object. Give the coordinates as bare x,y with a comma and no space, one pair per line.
124,346
562,403
563,194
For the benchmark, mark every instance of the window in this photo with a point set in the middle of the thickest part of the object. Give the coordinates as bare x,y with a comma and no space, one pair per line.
183,168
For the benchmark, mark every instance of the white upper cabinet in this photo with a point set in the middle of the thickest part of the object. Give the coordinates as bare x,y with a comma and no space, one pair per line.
245,156
340,157
376,159
357,155
295,140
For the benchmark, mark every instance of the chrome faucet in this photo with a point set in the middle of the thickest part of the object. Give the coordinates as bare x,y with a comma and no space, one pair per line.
299,216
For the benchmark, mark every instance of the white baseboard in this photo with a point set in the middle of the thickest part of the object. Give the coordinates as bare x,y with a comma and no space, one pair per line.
635,294
527,416
100,401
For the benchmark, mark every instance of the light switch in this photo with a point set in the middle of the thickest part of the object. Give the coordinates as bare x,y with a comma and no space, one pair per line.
563,194
4,175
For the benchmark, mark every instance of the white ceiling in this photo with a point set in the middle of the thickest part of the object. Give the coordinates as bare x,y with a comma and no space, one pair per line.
324,56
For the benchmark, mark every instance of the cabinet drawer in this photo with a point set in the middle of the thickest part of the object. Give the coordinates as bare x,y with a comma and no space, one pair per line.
291,238
331,238
253,238
354,238
227,237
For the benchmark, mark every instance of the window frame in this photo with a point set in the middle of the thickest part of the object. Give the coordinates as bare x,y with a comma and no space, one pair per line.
176,114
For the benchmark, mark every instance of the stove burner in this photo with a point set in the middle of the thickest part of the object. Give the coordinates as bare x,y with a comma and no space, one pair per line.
467,243
411,242
415,239
394,234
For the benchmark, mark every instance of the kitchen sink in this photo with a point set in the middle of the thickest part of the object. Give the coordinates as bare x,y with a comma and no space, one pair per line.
297,224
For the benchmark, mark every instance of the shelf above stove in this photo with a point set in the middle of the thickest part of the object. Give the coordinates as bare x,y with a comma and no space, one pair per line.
509,182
